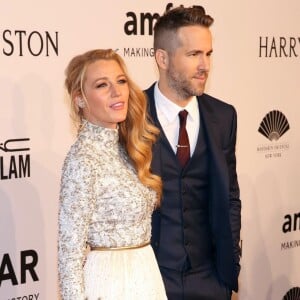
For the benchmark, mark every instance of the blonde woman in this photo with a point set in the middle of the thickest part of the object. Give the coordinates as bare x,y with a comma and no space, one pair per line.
108,192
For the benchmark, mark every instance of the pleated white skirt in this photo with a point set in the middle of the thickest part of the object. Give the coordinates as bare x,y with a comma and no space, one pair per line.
131,274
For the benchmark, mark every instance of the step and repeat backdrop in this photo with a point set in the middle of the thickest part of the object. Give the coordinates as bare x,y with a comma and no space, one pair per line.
255,67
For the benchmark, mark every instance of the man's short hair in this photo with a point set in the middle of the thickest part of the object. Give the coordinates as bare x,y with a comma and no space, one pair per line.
167,25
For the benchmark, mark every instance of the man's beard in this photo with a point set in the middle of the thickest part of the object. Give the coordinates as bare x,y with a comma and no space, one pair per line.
182,85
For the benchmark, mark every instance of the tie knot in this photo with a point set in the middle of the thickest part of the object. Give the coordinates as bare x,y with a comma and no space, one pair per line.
182,117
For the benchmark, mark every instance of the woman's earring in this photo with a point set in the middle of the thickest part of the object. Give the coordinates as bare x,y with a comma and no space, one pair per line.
80,102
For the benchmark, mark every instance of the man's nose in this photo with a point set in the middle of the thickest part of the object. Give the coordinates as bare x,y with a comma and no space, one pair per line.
204,63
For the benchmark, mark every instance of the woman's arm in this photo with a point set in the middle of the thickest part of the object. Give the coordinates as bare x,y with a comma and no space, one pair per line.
75,210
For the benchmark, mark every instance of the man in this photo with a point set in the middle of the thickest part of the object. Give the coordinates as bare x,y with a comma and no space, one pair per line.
196,231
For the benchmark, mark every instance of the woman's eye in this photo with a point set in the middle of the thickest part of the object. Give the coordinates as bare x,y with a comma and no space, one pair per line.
101,85
122,81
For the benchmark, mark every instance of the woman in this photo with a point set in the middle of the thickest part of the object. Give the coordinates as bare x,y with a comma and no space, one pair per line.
107,190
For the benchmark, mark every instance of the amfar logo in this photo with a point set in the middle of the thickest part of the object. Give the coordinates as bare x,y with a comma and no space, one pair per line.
27,261
34,43
292,223
141,24
292,294
274,125
270,46
136,23
14,166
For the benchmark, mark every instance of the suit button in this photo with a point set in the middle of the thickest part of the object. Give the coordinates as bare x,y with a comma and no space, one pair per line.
186,243
185,209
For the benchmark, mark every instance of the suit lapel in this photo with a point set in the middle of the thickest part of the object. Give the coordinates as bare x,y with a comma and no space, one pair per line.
211,127
162,138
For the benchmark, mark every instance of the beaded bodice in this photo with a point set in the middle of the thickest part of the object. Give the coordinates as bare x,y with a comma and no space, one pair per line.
102,203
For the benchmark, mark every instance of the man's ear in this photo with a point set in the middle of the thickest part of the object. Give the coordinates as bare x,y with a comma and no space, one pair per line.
162,59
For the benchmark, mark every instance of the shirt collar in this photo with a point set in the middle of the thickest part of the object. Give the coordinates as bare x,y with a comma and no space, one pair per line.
170,109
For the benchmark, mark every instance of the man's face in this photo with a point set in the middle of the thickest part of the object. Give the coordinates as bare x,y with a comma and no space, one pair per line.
189,63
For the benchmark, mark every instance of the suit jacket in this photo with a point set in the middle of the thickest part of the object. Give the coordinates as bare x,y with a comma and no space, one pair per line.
220,122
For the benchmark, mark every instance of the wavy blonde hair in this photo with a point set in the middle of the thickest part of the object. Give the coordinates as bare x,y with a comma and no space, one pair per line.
136,133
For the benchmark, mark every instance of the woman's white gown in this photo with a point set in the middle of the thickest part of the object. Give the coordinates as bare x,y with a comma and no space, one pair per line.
103,204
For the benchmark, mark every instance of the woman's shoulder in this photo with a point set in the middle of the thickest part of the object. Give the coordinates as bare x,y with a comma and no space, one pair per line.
78,157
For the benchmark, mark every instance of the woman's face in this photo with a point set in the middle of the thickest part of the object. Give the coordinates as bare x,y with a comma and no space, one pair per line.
107,92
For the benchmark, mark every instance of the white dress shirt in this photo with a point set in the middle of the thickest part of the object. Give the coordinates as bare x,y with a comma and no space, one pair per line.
167,113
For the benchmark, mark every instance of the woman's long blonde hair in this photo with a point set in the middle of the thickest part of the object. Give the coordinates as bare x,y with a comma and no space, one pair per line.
136,133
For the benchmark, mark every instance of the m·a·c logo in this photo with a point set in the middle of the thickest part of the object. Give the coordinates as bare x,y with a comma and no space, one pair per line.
13,145
292,294
14,163
274,125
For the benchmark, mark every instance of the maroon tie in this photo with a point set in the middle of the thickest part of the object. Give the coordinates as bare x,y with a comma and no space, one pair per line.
183,147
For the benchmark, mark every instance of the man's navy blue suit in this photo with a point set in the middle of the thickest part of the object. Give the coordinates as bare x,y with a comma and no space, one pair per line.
196,231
